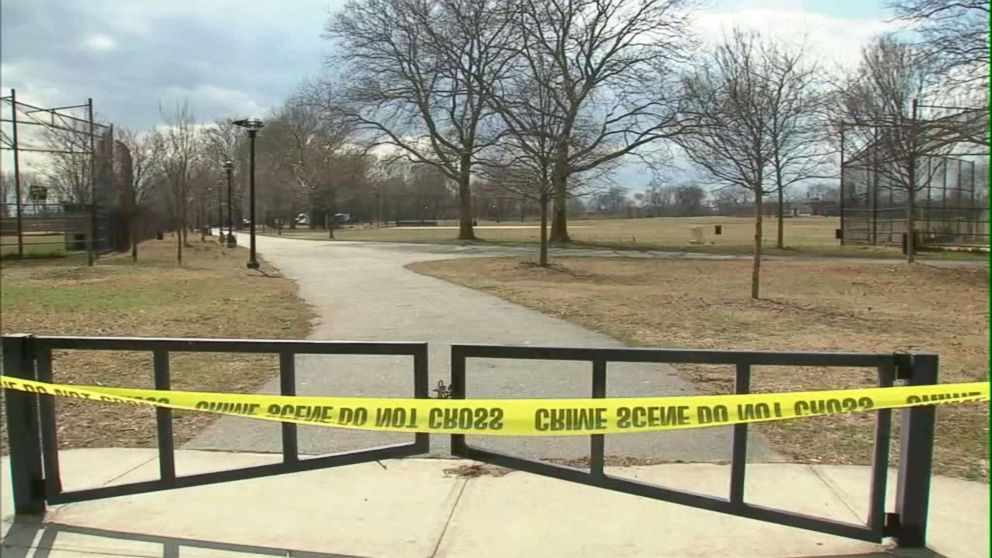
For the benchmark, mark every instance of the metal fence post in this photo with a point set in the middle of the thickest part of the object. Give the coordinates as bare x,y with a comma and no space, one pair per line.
916,459
23,430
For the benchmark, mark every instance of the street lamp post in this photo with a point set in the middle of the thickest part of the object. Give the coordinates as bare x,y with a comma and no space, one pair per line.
231,242
253,125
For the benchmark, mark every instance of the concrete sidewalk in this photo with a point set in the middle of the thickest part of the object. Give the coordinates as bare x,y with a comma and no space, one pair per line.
431,507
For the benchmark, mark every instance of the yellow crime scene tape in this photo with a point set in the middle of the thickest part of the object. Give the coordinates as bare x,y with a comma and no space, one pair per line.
525,417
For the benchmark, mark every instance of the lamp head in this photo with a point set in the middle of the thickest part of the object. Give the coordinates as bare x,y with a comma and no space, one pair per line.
228,165
250,124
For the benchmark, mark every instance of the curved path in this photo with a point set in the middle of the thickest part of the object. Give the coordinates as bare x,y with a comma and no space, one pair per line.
362,291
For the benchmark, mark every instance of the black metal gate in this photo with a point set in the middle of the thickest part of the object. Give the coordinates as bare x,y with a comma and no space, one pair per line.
34,458
33,431
907,524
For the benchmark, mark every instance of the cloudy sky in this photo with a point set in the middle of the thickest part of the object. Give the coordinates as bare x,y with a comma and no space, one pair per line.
242,57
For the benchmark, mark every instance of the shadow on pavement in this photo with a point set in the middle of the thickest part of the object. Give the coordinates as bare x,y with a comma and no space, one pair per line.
22,541
894,553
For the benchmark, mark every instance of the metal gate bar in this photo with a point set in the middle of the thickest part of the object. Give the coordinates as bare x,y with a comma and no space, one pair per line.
908,523
33,430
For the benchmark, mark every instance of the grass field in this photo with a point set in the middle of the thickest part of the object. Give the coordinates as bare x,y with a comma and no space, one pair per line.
803,235
212,295
810,305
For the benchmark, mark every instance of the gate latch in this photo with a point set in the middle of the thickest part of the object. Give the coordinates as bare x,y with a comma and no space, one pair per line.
442,391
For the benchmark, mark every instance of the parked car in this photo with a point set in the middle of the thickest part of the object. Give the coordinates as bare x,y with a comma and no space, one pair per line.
302,219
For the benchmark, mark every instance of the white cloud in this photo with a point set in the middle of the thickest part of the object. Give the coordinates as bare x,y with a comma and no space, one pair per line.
834,41
235,102
99,43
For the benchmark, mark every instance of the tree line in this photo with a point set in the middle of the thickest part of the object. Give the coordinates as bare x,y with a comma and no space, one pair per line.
500,108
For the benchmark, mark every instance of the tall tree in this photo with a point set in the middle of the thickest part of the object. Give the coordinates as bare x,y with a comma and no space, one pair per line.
418,72
139,162
523,162
729,97
179,145
223,141
308,139
798,130
606,66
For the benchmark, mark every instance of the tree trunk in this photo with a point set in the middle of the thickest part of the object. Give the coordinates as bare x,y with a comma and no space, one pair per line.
465,230
183,215
134,242
179,241
333,211
543,259
911,227
756,271
134,226
559,217
780,237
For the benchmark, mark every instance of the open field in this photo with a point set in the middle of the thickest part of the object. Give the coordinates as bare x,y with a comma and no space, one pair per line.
212,295
803,235
809,305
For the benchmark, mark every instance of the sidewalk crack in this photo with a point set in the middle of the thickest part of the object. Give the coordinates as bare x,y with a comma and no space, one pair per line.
448,520
54,512
835,490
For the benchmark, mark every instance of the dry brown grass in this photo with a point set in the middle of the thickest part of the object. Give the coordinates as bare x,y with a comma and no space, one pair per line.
212,295
817,306
809,236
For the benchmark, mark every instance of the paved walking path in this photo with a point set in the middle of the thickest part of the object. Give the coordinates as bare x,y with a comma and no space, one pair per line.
424,508
363,292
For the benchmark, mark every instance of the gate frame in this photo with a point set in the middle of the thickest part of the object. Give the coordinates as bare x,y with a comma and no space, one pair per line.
34,446
908,524
32,429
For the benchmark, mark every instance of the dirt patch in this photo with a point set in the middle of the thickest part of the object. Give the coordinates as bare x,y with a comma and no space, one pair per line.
476,470
211,295
808,305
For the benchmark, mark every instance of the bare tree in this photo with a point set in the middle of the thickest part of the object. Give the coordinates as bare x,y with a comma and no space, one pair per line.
604,66
178,142
798,130
524,161
729,97
418,73
69,166
688,200
880,104
308,138
224,141
139,161
955,37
